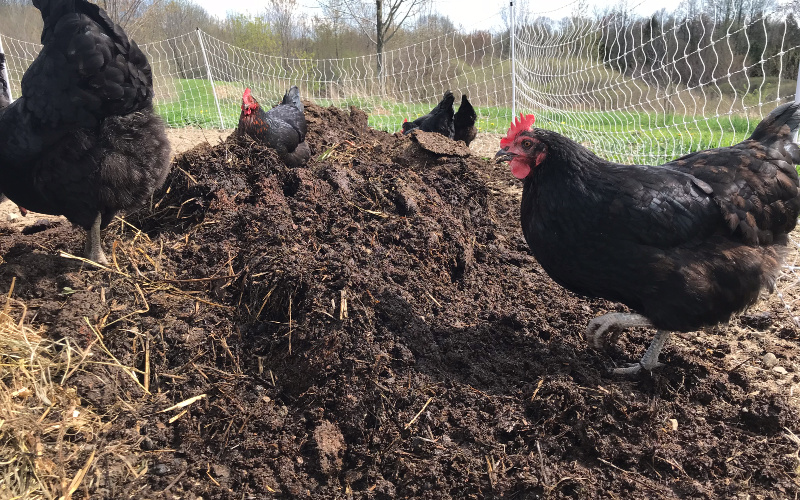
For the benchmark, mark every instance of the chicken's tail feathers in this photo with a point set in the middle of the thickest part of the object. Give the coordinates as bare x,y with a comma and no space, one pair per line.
780,125
5,94
447,101
292,97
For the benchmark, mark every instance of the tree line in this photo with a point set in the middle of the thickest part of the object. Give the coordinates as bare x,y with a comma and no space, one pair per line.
663,48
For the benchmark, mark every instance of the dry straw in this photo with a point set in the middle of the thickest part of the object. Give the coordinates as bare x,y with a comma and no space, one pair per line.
50,441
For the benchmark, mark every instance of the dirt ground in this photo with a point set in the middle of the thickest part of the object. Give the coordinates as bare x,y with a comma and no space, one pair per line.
373,327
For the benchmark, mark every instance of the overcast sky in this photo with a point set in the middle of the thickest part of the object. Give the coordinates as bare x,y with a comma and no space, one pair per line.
469,14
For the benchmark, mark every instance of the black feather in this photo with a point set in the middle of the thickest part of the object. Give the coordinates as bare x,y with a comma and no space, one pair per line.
439,120
464,122
83,138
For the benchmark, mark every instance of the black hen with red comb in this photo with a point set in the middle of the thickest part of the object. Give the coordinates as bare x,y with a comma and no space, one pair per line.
684,245
282,128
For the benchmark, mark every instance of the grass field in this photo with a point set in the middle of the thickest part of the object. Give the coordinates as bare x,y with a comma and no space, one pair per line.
634,137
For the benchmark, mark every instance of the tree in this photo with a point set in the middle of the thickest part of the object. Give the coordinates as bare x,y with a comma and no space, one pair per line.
173,18
127,13
254,34
379,20
19,19
286,22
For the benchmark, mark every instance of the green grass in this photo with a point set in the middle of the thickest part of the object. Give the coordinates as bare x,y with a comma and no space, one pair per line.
634,137
647,137
192,105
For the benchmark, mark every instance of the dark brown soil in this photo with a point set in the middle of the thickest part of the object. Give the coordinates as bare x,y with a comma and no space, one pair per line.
372,326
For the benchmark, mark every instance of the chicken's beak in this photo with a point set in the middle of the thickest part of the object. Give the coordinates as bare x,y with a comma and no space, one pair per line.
504,155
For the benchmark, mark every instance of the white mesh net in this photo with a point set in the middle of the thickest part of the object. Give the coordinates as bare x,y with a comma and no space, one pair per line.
649,90
199,79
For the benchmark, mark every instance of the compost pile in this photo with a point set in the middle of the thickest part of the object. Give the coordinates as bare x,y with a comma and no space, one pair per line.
372,326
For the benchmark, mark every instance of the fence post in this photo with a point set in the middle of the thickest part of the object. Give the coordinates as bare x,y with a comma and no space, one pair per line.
797,97
796,91
210,78
5,72
513,64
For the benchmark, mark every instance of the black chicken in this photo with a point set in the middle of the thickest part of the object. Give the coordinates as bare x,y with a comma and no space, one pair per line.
439,120
684,245
82,140
282,128
464,122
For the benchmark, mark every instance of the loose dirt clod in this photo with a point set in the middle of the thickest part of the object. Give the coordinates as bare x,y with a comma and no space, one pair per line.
372,326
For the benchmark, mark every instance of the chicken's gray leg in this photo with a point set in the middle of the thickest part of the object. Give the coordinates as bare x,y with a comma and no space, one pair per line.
94,246
650,358
602,324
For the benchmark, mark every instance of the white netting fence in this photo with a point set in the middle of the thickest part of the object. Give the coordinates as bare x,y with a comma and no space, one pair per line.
649,90
199,79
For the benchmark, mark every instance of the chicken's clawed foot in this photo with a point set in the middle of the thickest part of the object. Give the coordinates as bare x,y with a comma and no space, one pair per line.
598,327
650,359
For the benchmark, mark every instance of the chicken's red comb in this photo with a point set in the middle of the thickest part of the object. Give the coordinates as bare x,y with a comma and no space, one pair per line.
247,99
521,124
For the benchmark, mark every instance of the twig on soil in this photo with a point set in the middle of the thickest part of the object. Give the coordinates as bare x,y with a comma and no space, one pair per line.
371,212
343,305
490,471
86,261
174,482
615,467
208,473
186,173
190,362
633,474
419,413
7,305
198,280
740,364
138,311
78,479
433,299
147,363
536,391
541,463
185,402
179,415
138,231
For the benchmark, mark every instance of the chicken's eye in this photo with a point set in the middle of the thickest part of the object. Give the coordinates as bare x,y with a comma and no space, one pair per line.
527,143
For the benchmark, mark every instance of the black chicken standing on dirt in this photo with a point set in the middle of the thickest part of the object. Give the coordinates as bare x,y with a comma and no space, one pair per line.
82,140
439,120
684,245
282,128
464,122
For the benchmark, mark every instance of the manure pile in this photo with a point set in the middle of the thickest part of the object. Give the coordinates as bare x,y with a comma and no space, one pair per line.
372,326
